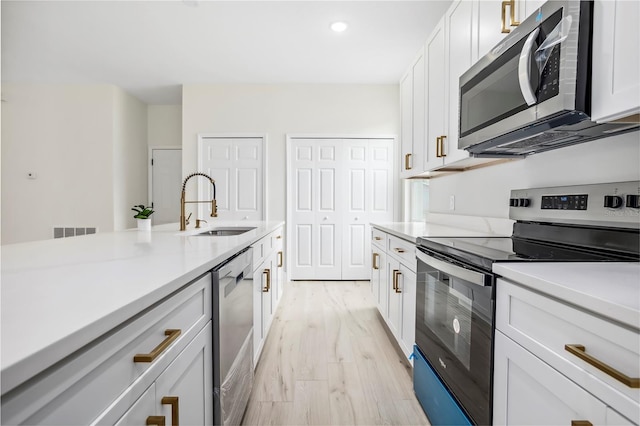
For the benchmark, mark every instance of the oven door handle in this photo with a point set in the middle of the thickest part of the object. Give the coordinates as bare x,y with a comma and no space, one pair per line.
473,277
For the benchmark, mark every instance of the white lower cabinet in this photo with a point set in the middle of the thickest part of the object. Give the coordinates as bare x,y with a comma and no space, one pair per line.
542,374
393,285
139,411
268,286
528,391
119,378
182,393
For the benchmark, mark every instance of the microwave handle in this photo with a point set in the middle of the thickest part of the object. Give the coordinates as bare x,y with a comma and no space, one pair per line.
451,269
524,69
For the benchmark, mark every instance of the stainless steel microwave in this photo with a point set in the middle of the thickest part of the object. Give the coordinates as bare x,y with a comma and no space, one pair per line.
532,92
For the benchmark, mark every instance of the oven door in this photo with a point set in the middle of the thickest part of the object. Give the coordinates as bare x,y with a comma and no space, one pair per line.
454,329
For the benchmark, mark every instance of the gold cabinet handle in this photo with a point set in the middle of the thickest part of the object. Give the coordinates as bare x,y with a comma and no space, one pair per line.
438,155
280,259
397,288
580,352
375,265
512,15
173,401
399,250
267,272
407,159
503,18
155,420
581,423
442,138
512,4
278,237
377,238
172,334
395,279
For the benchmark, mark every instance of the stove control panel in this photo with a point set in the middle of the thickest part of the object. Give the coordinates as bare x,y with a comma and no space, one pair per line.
608,204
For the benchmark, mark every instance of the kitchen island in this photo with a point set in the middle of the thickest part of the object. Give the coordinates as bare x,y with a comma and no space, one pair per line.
59,296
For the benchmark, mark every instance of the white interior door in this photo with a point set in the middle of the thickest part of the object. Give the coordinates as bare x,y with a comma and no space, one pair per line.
236,165
368,181
315,210
336,188
166,185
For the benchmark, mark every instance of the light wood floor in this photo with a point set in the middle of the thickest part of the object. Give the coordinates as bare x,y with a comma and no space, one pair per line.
328,361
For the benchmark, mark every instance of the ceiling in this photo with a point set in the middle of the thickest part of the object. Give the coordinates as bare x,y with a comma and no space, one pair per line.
150,48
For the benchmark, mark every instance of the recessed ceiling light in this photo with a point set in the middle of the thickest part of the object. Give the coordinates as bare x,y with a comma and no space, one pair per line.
339,26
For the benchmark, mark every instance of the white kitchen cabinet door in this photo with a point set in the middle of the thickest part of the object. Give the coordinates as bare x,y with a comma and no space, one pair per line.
236,165
528,391
616,60
488,32
406,124
143,408
460,55
189,378
407,288
436,94
336,188
394,317
413,117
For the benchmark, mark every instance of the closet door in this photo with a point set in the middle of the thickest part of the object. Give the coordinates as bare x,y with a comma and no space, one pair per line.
336,188
368,180
236,165
316,205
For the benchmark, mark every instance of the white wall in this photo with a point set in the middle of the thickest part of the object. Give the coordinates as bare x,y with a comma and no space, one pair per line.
277,110
84,143
485,191
62,134
164,126
130,152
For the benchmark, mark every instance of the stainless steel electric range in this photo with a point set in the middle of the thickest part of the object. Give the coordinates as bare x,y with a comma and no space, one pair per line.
455,309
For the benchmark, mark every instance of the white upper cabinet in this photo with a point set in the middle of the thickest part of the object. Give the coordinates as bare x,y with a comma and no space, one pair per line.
430,90
616,60
413,116
435,95
460,55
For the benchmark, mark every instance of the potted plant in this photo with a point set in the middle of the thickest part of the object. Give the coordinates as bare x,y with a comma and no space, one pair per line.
142,215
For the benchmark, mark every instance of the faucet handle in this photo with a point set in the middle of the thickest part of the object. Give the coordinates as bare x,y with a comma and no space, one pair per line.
198,221
214,208
187,219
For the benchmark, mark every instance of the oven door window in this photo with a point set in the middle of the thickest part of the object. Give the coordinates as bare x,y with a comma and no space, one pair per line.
454,331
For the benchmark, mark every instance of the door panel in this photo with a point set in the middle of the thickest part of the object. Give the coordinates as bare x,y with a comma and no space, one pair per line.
338,186
236,165
167,185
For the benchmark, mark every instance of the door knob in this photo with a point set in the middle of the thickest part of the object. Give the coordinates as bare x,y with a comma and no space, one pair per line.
325,218
356,218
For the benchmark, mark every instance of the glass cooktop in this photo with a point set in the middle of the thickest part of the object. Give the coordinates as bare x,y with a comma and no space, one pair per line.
484,251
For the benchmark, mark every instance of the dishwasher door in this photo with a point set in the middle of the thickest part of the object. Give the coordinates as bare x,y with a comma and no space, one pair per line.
232,337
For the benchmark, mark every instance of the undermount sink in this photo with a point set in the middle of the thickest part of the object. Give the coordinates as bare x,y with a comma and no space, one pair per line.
226,232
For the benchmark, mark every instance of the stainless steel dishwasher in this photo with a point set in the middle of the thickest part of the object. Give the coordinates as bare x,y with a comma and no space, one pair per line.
232,338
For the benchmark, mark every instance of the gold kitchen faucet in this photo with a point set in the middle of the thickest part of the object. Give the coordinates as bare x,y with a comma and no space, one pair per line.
183,201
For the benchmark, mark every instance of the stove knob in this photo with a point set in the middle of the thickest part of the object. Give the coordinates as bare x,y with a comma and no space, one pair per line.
612,201
633,201
513,202
524,202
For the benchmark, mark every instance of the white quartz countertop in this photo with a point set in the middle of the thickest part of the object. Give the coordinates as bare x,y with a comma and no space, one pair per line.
476,227
58,295
610,289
